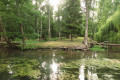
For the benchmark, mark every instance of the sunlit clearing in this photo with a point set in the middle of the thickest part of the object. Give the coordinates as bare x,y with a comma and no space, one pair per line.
54,3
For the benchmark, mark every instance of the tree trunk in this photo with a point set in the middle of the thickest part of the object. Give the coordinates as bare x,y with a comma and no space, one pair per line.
8,41
22,32
37,28
59,36
71,37
41,29
49,31
21,25
2,29
59,30
86,29
36,21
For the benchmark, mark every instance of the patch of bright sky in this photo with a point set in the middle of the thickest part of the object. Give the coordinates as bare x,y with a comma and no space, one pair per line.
54,3
33,2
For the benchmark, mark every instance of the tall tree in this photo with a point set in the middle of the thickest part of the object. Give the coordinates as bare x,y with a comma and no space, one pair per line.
87,5
49,29
72,17
18,7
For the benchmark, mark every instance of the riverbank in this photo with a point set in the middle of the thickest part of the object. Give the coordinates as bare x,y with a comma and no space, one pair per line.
55,43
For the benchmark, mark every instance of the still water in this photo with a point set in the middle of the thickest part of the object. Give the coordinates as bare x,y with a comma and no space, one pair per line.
59,65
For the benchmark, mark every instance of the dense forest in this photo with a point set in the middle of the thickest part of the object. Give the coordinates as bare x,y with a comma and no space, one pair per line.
37,20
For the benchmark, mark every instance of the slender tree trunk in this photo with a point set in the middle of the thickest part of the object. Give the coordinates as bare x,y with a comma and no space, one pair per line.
94,34
36,21
49,31
37,28
71,37
86,29
41,29
21,25
8,41
59,30
22,32
59,36
2,29
59,21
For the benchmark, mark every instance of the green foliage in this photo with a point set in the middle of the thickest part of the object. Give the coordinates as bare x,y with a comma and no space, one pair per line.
111,30
97,48
71,17
31,44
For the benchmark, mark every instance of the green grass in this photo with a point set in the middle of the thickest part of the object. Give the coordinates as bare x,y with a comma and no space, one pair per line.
53,43
97,48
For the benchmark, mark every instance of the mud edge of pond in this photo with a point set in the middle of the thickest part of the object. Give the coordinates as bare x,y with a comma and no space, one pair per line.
60,48
65,48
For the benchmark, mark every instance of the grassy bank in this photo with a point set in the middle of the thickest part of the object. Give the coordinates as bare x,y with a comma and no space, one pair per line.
53,43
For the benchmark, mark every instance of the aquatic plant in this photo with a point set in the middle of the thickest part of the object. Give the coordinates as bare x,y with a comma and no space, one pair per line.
20,67
99,63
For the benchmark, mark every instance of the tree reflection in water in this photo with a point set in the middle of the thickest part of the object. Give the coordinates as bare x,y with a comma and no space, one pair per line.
56,65
91,75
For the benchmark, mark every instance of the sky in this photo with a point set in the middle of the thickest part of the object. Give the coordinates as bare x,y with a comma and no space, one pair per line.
54,3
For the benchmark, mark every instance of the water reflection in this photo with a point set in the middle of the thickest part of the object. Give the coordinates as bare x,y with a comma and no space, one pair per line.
81,73
10,70
54,68
44,65
94,55
91,75
54,65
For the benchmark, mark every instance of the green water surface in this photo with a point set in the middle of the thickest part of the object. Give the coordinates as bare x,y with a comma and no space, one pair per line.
59,65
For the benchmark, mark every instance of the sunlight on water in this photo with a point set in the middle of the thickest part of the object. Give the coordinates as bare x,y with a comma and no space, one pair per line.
9,67
81,73
94,55
92,76
44,65
54,67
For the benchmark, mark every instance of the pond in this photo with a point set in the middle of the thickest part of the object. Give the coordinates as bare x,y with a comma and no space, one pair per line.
59,65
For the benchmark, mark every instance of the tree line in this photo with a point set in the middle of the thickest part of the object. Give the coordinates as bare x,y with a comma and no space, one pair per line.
23,19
